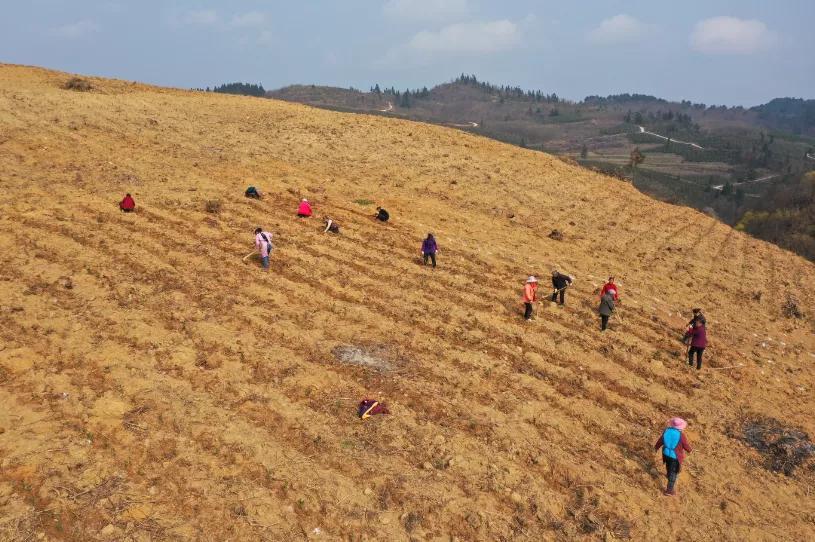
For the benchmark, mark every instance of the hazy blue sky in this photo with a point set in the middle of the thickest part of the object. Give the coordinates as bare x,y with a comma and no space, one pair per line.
713,51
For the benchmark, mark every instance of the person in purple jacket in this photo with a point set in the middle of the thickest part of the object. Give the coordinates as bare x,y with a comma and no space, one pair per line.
698,342
429,249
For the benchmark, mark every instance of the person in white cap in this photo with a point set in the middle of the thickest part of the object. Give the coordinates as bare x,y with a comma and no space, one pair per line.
530,296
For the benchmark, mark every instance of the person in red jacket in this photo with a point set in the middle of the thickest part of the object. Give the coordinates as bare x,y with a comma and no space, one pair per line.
128,204
530,296
674,444
304,210
610,285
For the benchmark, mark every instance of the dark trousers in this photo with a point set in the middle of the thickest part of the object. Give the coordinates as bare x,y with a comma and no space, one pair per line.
562,295
126,210
672,468
699,351
431,256
528,311
603,322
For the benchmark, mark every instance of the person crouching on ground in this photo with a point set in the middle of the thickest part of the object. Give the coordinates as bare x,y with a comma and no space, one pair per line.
674,444
263,244
560,282
253,193
382,215
331,226
698,343
606,308
429,249
530,296
128,204
304,210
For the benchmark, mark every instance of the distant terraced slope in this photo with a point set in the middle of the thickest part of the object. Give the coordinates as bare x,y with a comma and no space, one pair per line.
156,387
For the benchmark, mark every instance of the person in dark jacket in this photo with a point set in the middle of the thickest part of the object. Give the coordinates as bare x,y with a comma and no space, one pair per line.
429,249
698,343
606,308
560,282
674,444
382,215
331,225
128,204
253,193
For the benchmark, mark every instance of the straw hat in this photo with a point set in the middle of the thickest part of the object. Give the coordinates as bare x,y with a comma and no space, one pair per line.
677,423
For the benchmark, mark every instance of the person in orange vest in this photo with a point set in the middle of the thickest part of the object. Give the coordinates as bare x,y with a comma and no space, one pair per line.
530,296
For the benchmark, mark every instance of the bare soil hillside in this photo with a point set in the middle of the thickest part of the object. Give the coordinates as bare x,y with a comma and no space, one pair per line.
155,386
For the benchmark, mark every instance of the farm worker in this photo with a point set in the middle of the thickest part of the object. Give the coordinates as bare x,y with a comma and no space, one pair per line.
610,285
253,192
263,244
697,315
429,249
560,282
304,210
382,215
674,444
698,342
606,308
331,226
128,204
530,296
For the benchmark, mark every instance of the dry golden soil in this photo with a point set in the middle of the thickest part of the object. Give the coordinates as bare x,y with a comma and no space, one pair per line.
154,385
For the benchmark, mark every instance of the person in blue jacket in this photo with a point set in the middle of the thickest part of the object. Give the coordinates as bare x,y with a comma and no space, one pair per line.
674,444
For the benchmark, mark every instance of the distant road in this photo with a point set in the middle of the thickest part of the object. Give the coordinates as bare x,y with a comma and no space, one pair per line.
694,145
387,109
759,180
467,125
810,156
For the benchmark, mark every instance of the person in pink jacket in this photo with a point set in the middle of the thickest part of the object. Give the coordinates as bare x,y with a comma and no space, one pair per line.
263,244
304,211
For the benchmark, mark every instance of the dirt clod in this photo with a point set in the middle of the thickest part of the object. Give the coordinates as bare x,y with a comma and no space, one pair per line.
371,357
792,308
784,449
78,84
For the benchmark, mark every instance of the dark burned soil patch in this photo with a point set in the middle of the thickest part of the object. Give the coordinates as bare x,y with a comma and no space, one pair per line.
784,449
377,357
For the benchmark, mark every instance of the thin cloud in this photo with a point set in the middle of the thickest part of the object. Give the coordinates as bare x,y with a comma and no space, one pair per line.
203,17
249,19
76,30
731,35
426,10
475,37
620,29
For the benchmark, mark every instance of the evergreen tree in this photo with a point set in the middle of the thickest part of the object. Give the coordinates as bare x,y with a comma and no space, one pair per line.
584,152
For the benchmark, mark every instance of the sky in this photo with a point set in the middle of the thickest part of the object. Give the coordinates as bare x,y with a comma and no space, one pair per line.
743,52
